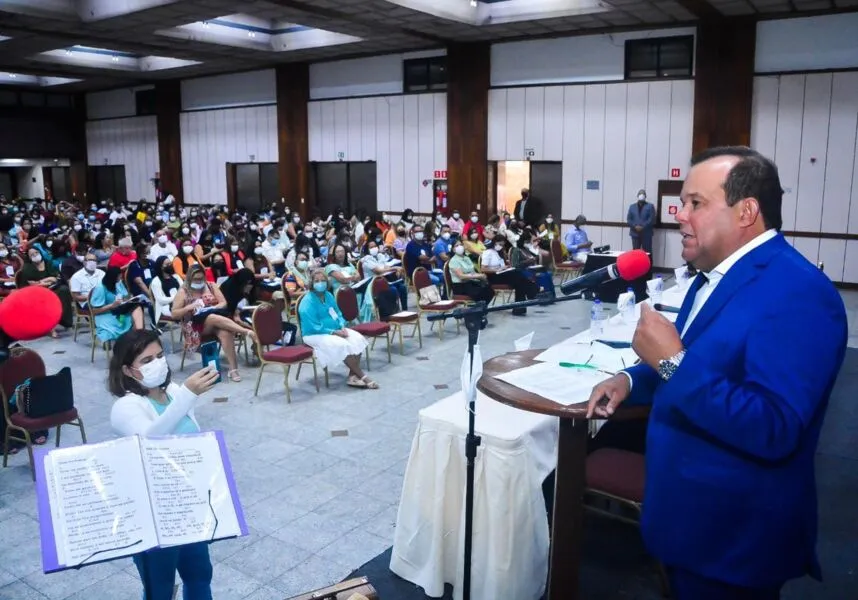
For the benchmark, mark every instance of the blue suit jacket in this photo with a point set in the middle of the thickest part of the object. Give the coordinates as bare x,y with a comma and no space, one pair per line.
730,486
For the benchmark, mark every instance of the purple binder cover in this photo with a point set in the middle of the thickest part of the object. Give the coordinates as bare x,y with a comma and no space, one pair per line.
50,562
227,468
46,522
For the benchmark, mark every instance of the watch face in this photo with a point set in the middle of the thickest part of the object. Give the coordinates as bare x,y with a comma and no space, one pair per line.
666,369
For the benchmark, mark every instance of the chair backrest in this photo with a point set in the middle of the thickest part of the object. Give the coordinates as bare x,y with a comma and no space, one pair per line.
421,278
556,251
347,302
359,265
20,282
448,281
266,324
89,304
21,365
379,285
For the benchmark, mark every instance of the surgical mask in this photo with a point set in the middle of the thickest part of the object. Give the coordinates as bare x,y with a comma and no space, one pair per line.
549,220
308,234
455,215
302,264
320,286
460,250
257,250
474,218
148,223
233,248
186,230
418,236
198,285
49,243
373,251
89,266
275,240
440,218
187,249
162,239
253,228
641,197
296,219
4,253
498,247
80,258
446,235
474,236
36,259
154,373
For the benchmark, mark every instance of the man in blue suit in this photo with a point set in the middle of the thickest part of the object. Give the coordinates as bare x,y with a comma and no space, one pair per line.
739,387
641,218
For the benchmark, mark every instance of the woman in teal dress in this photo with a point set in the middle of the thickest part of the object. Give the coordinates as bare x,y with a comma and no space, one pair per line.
340,273
106,298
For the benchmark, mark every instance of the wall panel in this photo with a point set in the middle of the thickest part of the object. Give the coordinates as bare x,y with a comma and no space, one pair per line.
534,119
405,135
613,197
594,149
573,151
132,142
814,145
497,124
552,147
212,138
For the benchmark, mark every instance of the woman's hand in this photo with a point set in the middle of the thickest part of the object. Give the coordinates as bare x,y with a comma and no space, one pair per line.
341,333
202,381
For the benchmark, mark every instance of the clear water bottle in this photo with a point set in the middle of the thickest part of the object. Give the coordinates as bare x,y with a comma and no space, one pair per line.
597,319
659,288
628,309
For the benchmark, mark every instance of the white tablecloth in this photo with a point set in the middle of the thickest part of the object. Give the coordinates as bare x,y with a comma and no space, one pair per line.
510,543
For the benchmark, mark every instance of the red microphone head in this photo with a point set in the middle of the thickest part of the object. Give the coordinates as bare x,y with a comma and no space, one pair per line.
633,264
30,313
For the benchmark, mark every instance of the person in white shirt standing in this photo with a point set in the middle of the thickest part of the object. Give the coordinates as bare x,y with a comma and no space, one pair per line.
85,280
163,247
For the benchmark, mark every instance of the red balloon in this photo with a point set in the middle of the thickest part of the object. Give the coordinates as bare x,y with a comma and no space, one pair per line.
30,313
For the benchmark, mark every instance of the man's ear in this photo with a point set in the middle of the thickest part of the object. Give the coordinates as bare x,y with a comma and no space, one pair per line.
749,212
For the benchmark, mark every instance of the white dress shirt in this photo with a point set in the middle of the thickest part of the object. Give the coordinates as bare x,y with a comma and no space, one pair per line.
717,274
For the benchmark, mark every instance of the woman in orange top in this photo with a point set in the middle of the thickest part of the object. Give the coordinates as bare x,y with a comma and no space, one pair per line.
185,259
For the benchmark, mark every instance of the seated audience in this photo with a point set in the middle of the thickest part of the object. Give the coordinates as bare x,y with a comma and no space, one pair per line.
114,314
323,328
465,278
375,263
164,286
85,280
38,272
577,243
499,273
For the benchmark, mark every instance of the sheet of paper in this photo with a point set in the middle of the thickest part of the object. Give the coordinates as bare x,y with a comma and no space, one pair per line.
563,385
190,494
596,354
523,343
102,504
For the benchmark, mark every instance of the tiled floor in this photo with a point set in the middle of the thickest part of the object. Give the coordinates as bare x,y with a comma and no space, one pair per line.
318,506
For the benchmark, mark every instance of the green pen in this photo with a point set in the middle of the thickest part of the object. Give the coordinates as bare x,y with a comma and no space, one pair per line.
569,365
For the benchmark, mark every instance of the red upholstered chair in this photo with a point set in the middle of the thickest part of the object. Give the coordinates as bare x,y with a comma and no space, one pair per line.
378,286
619,476
348,304
21,365
448,282
566,269
421,280
268,329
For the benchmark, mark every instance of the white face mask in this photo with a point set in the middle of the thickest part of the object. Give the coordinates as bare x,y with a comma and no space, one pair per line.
460,250
4,253
302,264
187,249
549,220
233,248
446,235
198,285
498,247
418,236
90,266
257,250
641,197
253,228
373,251
154,373
162,239
77,228
456,215
186,230
49,243
36,259
474,218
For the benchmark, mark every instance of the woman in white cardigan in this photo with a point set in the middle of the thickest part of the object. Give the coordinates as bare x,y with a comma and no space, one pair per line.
165,285
149,403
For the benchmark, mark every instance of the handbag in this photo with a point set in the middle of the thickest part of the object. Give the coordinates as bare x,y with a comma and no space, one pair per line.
429,295
353,589
42,396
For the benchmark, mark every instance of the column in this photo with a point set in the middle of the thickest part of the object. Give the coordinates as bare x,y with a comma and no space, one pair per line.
468,80
293,94
168,107
78,162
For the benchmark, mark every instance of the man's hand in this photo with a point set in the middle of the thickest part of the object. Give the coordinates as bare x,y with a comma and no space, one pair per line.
608,395
655,338
638,227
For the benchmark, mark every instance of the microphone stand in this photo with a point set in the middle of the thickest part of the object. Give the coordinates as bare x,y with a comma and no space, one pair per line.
475,321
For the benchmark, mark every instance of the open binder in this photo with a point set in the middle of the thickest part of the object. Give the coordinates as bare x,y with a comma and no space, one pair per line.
100,502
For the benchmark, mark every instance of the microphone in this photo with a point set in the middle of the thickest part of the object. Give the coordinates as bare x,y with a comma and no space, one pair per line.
665,308
629,266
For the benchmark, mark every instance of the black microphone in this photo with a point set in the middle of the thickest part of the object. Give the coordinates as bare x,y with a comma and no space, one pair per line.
666,308
629,266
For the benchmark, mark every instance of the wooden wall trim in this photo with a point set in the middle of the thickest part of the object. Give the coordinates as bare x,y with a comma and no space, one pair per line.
78,163
724,83
468,82
293,138
168,107
801,234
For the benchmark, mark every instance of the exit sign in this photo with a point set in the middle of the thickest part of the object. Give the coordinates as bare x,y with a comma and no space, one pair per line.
440,174
674,172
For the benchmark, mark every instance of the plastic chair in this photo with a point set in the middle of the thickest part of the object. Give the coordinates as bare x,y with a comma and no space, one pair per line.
267,326
21,365
348,305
